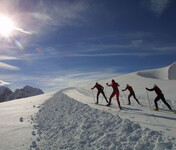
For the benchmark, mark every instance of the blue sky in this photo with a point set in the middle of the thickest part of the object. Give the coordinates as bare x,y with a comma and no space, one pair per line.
75,42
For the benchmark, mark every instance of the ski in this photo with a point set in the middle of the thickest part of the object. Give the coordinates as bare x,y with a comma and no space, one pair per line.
102,105
110,107
165,111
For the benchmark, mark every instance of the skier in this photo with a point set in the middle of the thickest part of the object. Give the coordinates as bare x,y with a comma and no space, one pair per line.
160,95
131,94
100,89
115,92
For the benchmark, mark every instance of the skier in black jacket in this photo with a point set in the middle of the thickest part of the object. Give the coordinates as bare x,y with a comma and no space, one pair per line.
160,95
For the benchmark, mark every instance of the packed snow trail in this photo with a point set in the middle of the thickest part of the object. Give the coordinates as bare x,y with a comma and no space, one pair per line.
162,120
65,123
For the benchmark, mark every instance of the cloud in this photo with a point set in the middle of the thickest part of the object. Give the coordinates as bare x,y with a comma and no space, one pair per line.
58,80
157,6
165,48
54,14
75,78
41,17
137,43
8,67
3,83
112,54
8,58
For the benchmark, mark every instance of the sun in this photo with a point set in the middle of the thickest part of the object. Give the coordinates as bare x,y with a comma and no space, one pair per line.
6,26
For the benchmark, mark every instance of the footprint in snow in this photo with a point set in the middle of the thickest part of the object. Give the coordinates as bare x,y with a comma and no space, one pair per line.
33,133
21,119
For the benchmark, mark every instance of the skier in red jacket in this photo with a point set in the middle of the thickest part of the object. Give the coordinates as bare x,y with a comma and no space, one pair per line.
131,94
115,92
160,95
100,89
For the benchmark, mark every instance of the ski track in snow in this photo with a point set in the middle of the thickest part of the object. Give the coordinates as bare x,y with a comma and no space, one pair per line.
65,123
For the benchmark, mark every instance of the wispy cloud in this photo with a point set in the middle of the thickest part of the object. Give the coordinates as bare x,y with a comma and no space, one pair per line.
8,67
41,17
165,48
3,83
56,80
59,13
112,54
75,78
8,58
159,6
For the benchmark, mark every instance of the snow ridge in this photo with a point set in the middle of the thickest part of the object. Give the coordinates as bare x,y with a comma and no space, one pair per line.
166,73
172,72
64,123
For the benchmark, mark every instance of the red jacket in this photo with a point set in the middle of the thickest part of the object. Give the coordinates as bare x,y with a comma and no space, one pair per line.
128,88
98,86
156,89
114,86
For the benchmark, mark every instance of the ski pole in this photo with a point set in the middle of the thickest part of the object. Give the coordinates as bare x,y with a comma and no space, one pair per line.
93,96
125,95
148,100
121,98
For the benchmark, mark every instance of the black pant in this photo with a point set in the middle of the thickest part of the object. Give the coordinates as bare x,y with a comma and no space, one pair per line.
163,99
132,94
102,92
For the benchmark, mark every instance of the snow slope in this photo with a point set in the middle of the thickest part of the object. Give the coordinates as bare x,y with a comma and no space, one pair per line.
16,118
166,73
69,119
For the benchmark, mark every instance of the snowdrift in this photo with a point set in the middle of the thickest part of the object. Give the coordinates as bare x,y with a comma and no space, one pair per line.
64,123
166,73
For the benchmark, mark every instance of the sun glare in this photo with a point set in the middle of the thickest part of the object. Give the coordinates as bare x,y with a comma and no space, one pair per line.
6,26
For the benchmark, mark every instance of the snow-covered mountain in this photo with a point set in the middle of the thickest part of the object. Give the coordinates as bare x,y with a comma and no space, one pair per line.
26,91
69,119
6,94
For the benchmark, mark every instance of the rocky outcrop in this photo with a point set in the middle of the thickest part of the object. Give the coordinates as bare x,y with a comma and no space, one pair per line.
6,94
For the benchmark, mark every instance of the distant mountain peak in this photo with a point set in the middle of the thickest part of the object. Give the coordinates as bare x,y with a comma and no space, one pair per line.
6,94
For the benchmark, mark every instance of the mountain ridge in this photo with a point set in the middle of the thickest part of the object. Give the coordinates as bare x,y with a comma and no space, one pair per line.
6,94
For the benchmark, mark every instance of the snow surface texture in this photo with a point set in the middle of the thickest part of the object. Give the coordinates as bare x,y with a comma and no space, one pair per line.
64,123
16,125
